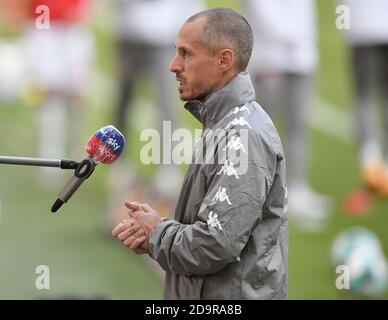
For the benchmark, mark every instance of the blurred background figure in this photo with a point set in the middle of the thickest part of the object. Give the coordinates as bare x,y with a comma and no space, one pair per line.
58,58
367,37
12,64
146,32
12,61
283,64
60,63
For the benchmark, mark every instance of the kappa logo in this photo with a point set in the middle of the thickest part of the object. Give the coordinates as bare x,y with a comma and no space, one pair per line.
238,121
222,196
228,169
212,220
235,144
237,110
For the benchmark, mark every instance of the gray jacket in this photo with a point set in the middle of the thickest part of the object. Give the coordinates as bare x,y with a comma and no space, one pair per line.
230,236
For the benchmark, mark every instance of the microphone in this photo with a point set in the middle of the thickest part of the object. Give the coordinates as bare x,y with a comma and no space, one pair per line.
104,146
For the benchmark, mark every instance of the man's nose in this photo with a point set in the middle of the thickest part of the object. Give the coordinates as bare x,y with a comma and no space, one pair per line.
174,65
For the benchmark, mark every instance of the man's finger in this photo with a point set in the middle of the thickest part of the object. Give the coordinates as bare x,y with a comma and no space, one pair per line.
132,205
135,206
128,232
137,242
120,228
133,237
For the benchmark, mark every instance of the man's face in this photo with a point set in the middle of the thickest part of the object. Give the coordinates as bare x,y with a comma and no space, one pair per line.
196,69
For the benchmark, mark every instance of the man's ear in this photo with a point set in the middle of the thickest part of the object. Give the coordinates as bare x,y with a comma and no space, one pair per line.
226,59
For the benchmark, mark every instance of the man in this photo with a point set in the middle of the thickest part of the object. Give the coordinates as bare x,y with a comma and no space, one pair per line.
230,236
368,42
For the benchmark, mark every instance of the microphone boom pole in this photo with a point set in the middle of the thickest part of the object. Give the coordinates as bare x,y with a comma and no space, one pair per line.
40,162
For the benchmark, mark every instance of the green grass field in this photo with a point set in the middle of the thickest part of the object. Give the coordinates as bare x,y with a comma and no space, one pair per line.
85,262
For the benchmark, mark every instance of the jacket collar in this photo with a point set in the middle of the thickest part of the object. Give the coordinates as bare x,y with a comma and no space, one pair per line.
235,93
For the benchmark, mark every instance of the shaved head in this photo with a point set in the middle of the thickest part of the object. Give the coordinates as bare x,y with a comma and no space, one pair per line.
225,28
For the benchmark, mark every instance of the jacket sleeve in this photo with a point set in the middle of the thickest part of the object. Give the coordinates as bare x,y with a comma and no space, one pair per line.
231,209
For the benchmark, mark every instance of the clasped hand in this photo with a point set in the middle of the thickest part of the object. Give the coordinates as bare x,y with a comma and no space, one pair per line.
134,231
